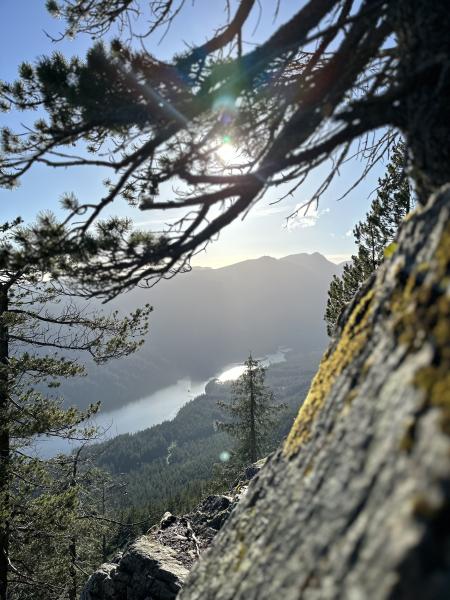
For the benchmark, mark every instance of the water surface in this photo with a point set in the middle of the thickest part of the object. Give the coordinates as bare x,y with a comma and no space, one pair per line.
160,406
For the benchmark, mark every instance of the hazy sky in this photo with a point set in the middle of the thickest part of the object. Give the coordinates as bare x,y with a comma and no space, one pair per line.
264,231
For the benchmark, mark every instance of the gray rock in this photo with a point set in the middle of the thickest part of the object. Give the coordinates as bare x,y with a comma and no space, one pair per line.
356,505
155,566
146,571
213,512
167,520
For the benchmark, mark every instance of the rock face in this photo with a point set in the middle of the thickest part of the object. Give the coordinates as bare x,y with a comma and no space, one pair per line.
356,505
155,566
147,570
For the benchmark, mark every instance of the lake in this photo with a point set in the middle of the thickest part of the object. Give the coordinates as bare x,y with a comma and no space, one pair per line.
160,406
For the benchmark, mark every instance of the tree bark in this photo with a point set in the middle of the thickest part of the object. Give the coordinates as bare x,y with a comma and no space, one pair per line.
4,447
73,554
422,28
252,418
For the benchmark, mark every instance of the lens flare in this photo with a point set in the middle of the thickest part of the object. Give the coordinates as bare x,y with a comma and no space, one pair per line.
225,456
227,152
224,103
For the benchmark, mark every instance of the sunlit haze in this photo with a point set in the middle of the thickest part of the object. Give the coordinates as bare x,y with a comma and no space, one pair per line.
265,230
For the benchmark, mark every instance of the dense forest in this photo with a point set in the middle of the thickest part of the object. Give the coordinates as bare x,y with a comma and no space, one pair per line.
105,120
173,465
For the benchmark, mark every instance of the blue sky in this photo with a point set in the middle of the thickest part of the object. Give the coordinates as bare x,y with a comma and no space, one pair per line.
264,231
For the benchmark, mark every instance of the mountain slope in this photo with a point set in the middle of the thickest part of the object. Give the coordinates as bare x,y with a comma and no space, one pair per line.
357,502
167,465
208,318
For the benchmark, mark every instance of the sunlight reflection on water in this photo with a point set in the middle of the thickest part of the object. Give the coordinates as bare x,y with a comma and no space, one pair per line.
232,373
160,406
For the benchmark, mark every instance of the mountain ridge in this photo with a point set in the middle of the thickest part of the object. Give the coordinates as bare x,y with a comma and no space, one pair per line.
206,319
272,258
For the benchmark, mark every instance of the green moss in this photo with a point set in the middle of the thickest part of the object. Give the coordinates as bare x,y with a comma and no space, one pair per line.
351,396
407,441
435,380
419,309
352,340
390,249
309,468
422,314
241,554
240,547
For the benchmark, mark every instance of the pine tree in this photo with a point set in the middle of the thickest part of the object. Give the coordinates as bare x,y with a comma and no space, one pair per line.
43,332
337,298
158,124
252,412
66,523
393,202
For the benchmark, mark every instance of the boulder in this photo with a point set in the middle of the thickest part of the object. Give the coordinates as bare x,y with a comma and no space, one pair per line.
356,504
155,566
147,571
167,520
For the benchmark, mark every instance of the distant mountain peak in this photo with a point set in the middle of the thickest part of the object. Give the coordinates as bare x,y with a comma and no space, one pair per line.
307,258
300,258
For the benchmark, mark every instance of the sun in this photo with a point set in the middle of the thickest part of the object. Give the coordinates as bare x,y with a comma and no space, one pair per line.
227,152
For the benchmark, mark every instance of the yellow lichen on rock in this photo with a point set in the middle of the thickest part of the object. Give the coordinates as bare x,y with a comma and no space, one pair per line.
351,341
390,250
422,315
418,310
435,379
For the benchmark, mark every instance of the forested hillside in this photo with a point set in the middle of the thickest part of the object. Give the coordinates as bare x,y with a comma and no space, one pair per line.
172,465
207,318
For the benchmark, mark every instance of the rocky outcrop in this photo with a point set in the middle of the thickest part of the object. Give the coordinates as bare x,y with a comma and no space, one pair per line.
356,505
147,570
155,566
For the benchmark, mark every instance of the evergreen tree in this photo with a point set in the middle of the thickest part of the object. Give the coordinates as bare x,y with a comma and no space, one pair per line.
393,202
56,538
252,411
43,332
159,124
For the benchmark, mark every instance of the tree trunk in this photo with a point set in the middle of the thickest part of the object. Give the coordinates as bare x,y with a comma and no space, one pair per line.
104,556
73,587
253,456
422,29
4,447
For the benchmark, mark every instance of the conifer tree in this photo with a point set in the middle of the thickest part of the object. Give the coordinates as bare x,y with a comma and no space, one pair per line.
86,522
158,125
252,411
393,202
43,332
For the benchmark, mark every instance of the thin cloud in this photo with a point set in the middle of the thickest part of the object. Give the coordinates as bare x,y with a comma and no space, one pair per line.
306,217
338,258
268,211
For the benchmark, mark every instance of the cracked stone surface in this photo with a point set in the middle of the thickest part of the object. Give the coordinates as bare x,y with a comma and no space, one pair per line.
155,566
146,571
356,505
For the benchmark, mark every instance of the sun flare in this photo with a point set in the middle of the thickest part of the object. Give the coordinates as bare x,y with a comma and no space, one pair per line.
227,152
